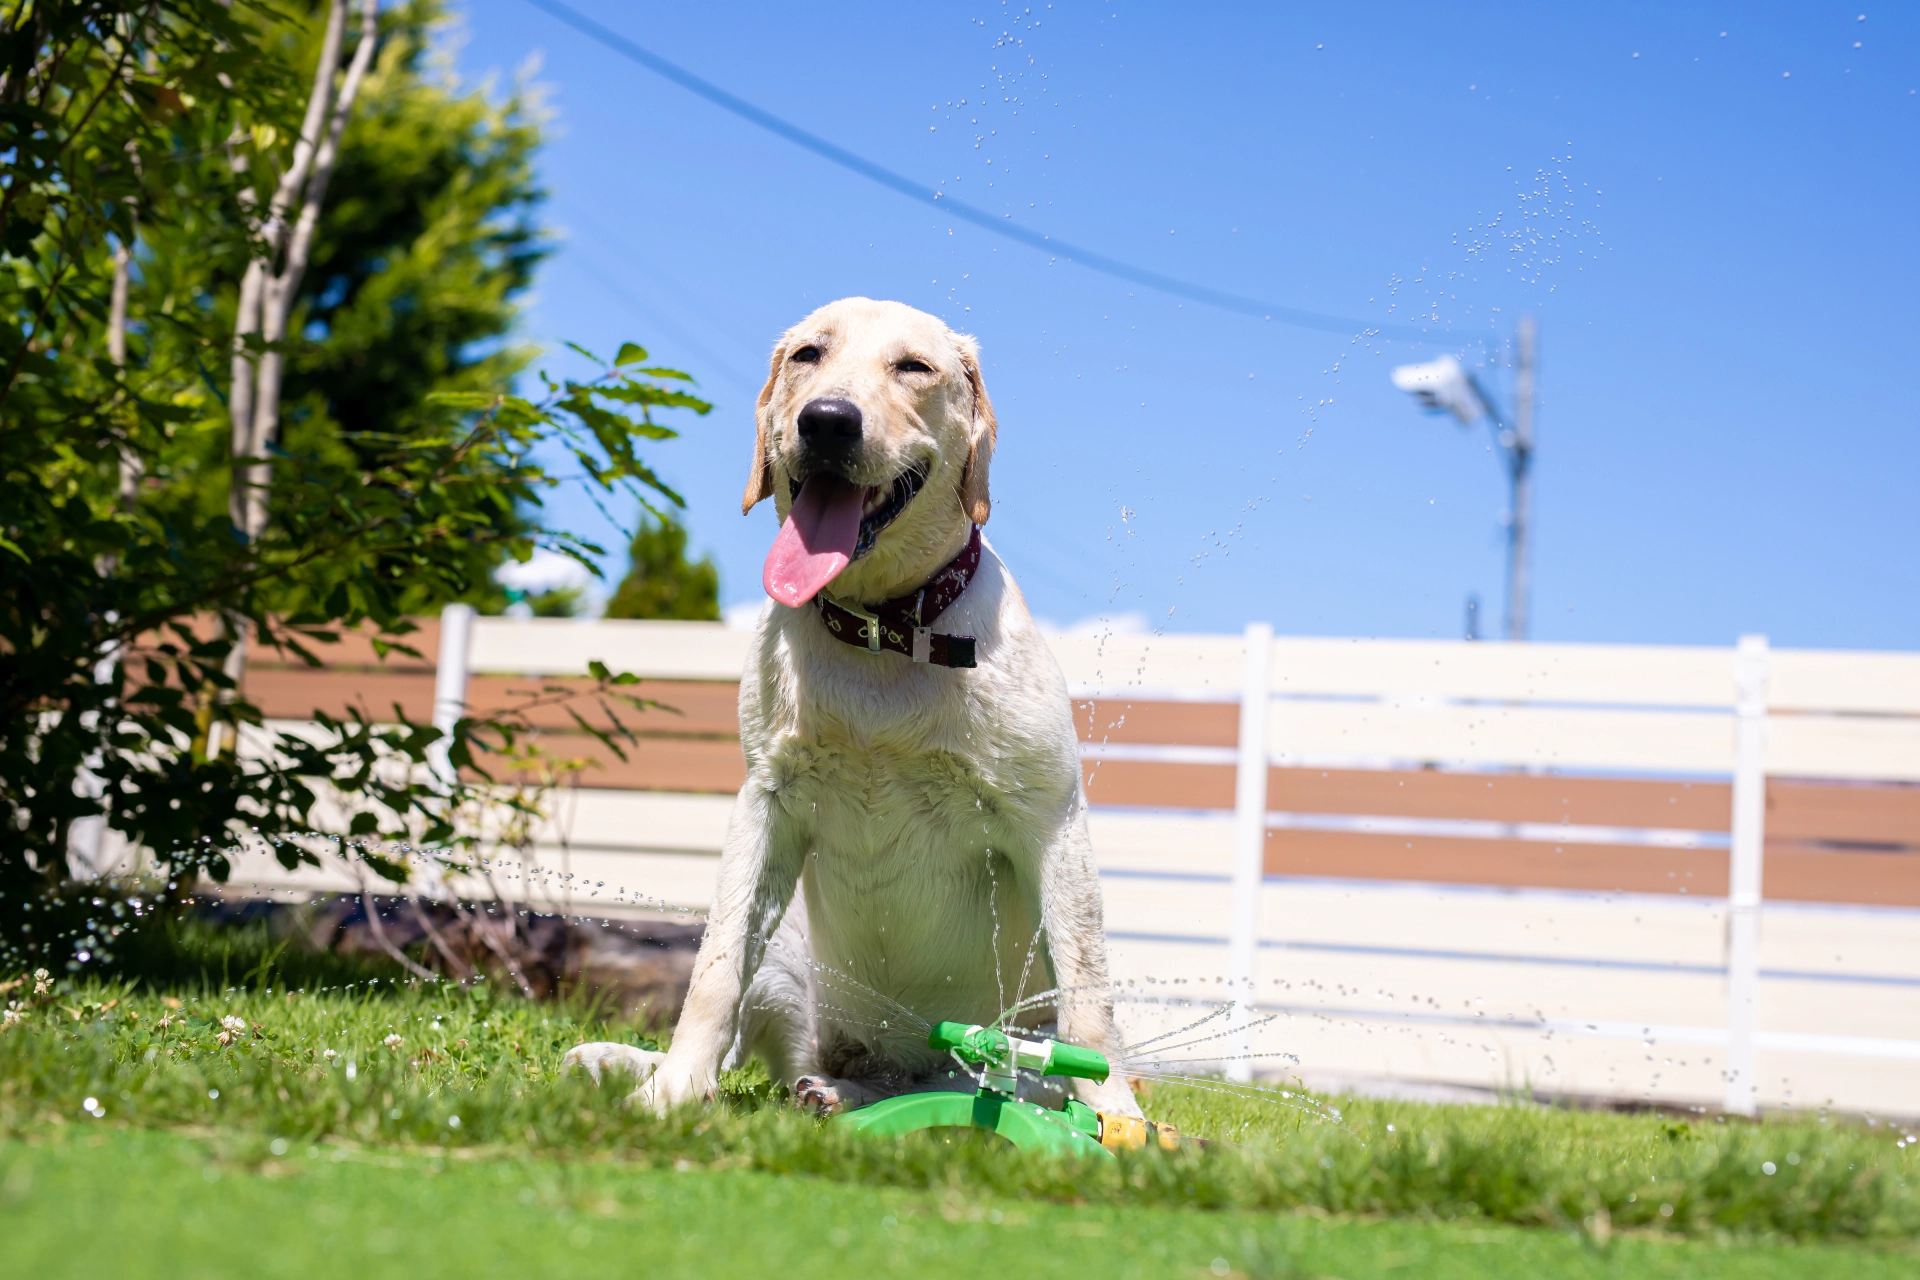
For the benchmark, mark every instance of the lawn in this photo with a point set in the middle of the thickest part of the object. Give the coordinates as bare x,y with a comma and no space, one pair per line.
121,1201
234,1125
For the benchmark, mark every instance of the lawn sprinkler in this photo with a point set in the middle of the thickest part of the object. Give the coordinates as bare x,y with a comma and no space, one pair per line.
994,1059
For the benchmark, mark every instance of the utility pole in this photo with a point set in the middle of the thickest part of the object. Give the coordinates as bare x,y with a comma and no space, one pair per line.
1443,386
1519,452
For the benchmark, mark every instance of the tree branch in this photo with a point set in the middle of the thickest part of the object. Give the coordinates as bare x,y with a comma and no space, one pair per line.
295,176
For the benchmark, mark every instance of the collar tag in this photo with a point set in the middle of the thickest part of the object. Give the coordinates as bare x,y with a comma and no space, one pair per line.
922,643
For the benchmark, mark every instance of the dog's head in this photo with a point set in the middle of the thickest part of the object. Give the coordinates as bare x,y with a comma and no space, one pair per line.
875,432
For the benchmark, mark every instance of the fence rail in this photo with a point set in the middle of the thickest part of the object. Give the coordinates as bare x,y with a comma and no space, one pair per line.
1241,784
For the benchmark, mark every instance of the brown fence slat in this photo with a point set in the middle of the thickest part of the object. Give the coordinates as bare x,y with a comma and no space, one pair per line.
354,650
1359,855
1502,797
1874,814
701,707
1158,786
295,693
1491,797
1791,875
1820,875
1194,724
708,765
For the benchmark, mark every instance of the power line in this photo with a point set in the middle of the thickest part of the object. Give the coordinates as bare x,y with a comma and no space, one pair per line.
1002,226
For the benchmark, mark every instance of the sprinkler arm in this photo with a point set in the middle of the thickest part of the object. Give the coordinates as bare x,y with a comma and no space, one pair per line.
998,1055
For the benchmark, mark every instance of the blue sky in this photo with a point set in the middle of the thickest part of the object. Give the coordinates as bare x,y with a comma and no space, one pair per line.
1711,210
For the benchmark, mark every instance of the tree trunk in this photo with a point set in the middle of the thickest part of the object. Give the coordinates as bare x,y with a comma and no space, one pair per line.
271,286
131,468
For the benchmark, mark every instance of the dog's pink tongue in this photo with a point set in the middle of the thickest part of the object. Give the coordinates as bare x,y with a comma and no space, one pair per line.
816,542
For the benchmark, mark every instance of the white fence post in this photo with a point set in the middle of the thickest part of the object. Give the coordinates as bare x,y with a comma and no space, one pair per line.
1250,836
450,683
87,835
1746,859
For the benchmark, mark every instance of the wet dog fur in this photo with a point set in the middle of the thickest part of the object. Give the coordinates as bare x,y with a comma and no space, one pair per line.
911,840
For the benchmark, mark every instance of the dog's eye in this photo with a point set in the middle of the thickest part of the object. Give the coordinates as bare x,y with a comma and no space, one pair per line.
913,366
806,355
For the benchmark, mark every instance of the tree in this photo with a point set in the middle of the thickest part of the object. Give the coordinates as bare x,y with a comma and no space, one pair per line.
424,244
109,673
662,582
104,109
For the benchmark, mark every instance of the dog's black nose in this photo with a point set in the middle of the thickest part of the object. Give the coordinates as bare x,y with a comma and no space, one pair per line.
830,426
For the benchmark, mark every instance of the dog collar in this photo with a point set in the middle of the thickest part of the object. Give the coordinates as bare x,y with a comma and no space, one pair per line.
901,624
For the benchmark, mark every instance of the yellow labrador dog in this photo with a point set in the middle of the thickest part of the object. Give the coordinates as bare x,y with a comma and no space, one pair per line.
911,842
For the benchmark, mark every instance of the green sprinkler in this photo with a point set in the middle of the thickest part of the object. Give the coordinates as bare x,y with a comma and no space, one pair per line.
993,1058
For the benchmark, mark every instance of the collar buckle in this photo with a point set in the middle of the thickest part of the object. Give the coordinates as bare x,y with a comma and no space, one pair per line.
869,624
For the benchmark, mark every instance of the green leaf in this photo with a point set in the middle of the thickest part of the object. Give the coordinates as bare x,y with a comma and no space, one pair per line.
629,391
464,399
631,353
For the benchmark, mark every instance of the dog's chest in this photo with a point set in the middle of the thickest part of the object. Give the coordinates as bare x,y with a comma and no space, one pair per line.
878,772
903,772
886,794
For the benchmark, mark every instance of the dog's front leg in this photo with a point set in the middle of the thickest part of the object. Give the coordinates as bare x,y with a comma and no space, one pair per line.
759,866
1068,888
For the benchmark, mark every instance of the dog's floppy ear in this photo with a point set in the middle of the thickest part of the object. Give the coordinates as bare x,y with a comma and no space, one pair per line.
975,500
760,476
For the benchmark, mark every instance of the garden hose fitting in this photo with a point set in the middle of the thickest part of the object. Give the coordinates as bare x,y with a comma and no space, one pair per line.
1131,1133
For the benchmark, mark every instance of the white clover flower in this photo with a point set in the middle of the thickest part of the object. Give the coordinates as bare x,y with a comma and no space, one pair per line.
237,1026
392,1042
12,1016
328,1053
42,982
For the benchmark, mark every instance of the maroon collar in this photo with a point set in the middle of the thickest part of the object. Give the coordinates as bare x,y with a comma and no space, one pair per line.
902,623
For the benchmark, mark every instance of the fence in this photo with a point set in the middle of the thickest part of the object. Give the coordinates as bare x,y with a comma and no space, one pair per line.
1483,864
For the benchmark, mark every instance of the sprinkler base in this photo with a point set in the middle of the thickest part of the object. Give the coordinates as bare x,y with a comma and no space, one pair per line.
1074,1130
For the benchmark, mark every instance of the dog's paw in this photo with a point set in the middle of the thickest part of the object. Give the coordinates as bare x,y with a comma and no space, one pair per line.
818,1094
825,1095
602,1056
672,1085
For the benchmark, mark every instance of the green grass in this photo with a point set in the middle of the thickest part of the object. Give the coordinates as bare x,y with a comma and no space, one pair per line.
104,1201
437,1117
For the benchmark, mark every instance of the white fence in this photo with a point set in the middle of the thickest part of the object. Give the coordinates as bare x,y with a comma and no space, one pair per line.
1479,941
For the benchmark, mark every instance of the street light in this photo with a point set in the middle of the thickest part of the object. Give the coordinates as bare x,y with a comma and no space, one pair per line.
1444,386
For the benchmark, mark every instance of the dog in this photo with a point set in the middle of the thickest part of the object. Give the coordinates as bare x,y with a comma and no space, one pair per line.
911,842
